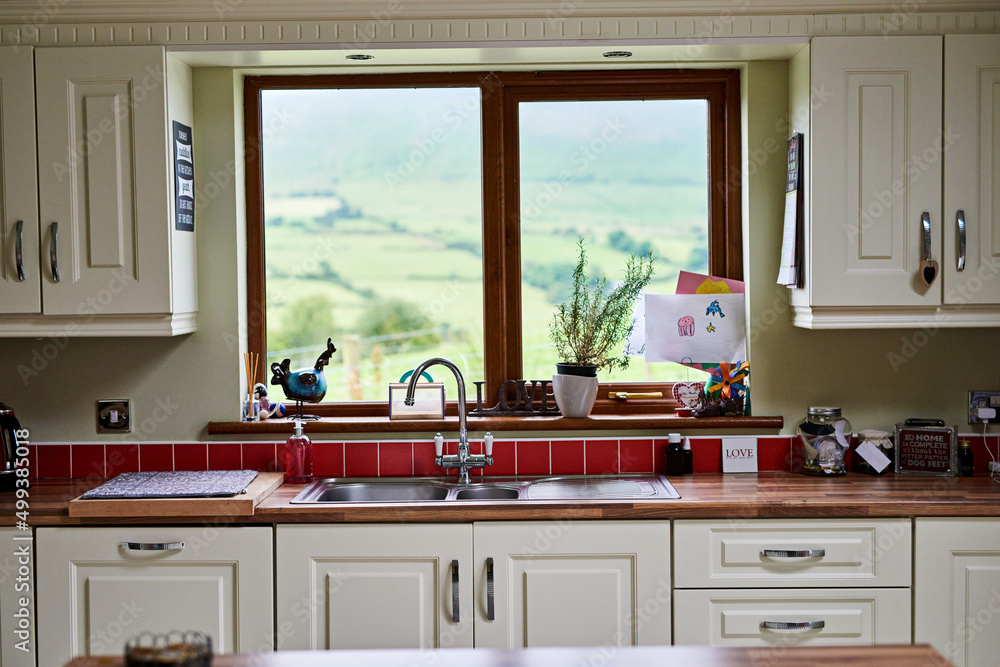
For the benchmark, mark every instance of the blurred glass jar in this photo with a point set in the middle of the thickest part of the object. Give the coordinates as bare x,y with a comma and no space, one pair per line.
878,439
825,437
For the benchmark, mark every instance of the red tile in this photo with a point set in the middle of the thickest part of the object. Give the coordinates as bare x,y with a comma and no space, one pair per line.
328,458
191,456
423,459
567,457
121,458
395,458
707,453
981,456
88,460
504,458
33,461
773,454
225,456
533,457
660,455
54,461
601,456
260,456
361,459
635,455
156,457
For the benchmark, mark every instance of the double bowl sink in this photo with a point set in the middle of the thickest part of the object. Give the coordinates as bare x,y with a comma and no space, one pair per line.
511,489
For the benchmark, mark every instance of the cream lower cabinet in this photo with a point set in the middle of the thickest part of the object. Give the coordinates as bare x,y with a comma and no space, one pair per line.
496,585
957,589
99,586
792,582
17,599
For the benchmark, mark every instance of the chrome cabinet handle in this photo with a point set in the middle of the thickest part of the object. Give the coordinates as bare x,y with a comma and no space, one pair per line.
786,553
925,222
152,546
454,591
783,625
960,217
19,260
53,258
490,608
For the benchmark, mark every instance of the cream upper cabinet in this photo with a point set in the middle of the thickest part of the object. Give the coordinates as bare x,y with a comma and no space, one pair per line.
20,286
374,586
956,589
99,586
107,253
572,583
879,221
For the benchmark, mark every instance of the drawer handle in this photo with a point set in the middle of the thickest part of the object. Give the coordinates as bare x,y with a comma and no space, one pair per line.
785,553
18,255
53,250
490,608
454,591
801,625
960,219
152,546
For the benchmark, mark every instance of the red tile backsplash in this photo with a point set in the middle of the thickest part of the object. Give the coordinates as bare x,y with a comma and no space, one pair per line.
402,458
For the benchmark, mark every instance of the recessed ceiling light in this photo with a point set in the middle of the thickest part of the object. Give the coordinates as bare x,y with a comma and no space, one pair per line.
617,54
360,56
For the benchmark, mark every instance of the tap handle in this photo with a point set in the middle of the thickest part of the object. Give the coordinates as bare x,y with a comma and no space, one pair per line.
488,444
438,444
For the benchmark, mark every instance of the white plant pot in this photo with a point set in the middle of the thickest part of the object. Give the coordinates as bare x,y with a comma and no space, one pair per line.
575,395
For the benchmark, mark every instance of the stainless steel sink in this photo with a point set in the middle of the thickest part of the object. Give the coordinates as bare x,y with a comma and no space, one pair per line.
503,489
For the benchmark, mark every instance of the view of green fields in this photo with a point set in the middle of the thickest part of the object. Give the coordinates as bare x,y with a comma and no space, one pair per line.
373,222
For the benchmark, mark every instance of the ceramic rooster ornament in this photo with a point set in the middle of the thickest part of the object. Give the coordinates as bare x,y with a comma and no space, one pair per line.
306,384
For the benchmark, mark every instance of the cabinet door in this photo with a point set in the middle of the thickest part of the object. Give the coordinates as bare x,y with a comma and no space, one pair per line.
956,589
803,617
875,168
573,583
94,593
374,586
17,599
18,183
102,142
972,168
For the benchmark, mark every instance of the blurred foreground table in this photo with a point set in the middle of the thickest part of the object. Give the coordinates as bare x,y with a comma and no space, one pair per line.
645,656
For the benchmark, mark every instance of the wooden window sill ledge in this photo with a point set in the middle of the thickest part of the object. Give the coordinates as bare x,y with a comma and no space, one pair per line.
501,424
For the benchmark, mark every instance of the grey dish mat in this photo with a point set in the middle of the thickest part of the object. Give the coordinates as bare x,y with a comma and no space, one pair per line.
174,484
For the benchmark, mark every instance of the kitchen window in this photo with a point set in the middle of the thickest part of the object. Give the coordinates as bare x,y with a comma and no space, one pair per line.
409,216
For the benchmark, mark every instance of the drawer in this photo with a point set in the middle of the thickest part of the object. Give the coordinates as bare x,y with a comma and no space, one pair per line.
812,617
779,553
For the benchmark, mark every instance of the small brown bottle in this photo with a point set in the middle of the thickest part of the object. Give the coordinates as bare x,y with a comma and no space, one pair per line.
965,460
675,455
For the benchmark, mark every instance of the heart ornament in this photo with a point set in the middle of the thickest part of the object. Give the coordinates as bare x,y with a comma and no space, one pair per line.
686,393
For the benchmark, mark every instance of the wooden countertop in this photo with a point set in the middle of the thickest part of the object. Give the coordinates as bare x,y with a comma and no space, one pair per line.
703,656
704,496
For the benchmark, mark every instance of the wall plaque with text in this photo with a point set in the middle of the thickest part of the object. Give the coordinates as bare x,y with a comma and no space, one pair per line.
931,450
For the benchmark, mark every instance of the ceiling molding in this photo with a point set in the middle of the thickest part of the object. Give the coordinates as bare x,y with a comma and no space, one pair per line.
52,12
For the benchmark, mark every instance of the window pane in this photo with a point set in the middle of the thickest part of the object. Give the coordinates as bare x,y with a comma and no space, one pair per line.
627,176
373,232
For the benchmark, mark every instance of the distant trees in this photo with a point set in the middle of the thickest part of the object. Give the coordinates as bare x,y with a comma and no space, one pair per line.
385,317
621,240
306,321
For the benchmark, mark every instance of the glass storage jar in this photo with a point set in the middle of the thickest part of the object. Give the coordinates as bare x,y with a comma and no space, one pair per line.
883,442
825,437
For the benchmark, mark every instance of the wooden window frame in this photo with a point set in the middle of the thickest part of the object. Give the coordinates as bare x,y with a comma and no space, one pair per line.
501,93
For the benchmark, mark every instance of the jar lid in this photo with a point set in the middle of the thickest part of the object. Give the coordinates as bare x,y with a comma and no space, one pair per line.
874,434
964,444
824,412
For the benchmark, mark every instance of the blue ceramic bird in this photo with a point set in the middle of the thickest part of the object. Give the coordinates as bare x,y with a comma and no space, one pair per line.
306,384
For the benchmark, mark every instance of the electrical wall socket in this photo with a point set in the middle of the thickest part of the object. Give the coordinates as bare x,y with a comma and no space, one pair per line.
984,399
114,416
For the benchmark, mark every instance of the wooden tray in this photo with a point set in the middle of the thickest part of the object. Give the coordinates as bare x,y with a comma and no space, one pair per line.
242,504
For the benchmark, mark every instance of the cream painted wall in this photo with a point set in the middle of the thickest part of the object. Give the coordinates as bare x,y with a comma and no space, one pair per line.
197,377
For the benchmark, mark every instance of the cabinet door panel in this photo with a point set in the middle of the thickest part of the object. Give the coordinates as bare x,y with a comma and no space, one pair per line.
102,149
18,182
972,167
574,584
957,589
373,586
876,166
17,604
93,594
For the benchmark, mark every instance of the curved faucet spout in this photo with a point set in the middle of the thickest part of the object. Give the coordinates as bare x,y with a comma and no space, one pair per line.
463,433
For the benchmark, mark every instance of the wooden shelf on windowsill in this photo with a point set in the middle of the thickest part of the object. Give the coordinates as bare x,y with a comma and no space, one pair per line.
501,424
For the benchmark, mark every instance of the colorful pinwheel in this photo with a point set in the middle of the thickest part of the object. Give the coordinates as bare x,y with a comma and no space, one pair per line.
725,379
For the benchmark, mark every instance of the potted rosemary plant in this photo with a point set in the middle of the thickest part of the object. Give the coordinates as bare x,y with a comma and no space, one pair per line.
589,330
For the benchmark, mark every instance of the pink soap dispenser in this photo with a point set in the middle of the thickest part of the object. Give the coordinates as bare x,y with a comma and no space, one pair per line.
298,457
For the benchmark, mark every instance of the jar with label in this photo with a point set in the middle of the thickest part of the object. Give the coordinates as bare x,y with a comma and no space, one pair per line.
825,437
883,443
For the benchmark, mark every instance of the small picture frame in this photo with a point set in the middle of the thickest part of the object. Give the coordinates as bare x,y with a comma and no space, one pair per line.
926,450
428,401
